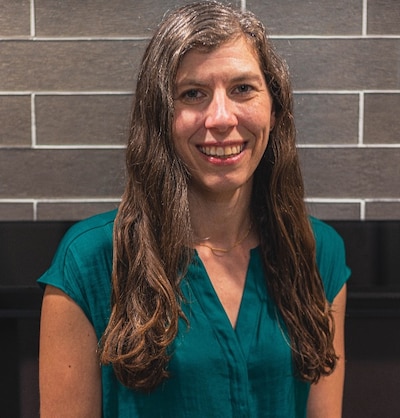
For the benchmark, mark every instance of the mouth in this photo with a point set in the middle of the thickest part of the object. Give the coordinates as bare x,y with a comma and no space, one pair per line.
222,152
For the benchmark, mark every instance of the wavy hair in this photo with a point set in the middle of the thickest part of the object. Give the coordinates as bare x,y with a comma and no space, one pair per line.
153,234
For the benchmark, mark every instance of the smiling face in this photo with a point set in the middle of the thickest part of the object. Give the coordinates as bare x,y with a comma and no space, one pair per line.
223,116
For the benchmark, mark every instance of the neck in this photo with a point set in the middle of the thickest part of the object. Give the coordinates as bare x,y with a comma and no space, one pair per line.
220,251
221,223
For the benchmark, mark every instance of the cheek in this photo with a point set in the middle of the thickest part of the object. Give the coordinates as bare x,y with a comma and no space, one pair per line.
182,130
259,116
186,127
182,124
259,125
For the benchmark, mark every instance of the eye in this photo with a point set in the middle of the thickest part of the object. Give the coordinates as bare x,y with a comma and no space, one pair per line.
243,89
192,95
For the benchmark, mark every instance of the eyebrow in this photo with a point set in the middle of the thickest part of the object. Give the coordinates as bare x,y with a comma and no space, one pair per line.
241,78
248,77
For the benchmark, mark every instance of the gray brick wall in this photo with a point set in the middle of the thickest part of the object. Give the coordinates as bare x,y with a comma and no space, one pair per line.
67,71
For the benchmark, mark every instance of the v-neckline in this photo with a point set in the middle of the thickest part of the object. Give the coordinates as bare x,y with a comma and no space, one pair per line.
212,307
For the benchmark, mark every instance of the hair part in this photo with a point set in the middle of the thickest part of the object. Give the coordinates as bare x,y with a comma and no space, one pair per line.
153,234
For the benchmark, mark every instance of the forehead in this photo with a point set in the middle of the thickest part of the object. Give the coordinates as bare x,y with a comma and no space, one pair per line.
238,54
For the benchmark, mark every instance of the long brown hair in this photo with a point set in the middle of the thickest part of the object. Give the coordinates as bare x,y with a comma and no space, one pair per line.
153,235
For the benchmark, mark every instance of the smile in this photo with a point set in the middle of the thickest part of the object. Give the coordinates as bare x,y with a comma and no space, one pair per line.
222,152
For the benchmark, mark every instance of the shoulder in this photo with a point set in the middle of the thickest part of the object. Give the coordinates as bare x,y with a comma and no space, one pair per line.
330,257
96,226
325,235
82,265
85,250
91,233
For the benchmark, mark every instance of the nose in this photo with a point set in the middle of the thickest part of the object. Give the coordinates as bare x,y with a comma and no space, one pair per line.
220,113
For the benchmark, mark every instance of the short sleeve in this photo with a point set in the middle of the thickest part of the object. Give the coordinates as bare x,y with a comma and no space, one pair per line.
82,265
331,258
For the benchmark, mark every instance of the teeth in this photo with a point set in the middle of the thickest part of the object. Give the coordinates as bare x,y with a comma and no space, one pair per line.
222,151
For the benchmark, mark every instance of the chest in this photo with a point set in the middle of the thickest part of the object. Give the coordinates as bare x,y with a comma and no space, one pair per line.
227,276
257,338
251,364
220,371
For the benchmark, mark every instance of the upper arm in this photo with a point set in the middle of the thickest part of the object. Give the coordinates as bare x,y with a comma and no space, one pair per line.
69,370
326,396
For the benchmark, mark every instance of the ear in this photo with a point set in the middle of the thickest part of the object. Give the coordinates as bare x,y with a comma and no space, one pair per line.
272,120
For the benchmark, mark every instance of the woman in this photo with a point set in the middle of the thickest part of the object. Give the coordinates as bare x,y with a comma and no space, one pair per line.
226,299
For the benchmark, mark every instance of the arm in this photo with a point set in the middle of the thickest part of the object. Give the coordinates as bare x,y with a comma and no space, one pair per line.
69,371
325,400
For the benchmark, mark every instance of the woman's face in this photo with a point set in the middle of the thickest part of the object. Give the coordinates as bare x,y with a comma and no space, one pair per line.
223,116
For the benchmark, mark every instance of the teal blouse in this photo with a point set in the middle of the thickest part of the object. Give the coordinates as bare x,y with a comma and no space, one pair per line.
216,370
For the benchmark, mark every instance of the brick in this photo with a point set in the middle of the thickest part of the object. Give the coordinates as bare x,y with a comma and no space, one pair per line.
16,211
382,210
305,17
351,172
101,17
342,64
381,118
67,173
15,18
15,116
77,119
383,17
69,65
74,211
327,118
334,211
